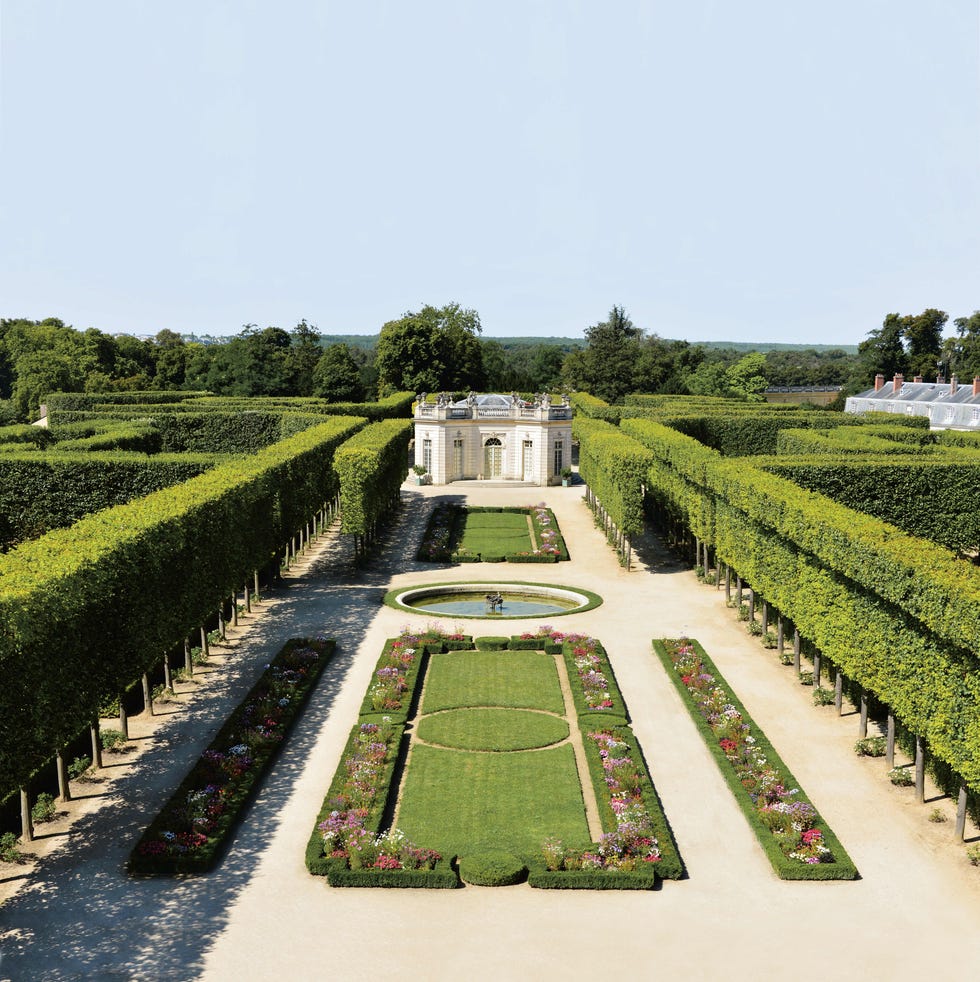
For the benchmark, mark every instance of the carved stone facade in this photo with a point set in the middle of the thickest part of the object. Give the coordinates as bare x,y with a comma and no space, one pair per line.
493,437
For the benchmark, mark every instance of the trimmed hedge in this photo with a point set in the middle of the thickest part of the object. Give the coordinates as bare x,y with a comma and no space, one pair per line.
371,467
44,491
130,582
841,868
896,613
176,843
491,643
492,869
615,467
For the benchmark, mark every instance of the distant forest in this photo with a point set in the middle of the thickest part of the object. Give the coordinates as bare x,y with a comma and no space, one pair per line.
444,349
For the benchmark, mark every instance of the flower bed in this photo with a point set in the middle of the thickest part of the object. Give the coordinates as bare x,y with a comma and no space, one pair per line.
447,523
794,837
188,834
348,846
639,845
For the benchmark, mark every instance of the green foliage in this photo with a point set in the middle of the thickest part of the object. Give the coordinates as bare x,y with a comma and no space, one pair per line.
246,746
41,492
10,848
896,613
191,544
870,747
78,767
491,729
43,809
112,740
902,777
433,350
508,679
493,868
337,376
788,869
823,697
371,467
492,643
615,467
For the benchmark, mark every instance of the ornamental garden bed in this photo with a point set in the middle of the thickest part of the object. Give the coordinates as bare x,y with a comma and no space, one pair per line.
468,534
795,839
489,785
192,829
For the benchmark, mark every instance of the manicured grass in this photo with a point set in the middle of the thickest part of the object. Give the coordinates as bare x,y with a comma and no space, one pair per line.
460,802
508,679
492,729
497,533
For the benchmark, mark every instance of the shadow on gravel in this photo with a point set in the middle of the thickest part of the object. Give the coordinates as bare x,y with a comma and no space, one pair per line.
81,915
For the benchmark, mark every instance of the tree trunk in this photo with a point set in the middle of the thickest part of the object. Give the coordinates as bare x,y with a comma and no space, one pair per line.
123,717
890,741
188,658
248,599
96,735
920,769
751,605
221,620
863,718
765,617
205,650
796,649
717,573
147,696
26,825
961,813
256,597
839,691
234,609
64,788
728,583
780,635
168,682
738,592
816,669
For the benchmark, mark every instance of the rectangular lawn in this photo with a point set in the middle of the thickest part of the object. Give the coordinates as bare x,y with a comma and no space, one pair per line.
496,533
512,679
460,802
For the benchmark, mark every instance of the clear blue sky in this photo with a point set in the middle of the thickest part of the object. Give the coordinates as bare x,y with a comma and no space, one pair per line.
756,171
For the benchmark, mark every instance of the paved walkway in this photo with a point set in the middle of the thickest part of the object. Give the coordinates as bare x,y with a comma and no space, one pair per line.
914,915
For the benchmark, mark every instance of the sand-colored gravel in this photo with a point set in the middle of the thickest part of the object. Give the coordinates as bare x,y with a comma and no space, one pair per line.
914,915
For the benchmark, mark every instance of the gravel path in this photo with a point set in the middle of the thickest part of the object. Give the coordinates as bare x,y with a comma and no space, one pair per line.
261,916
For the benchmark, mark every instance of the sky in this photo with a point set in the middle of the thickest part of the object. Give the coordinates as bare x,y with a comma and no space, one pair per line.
755,171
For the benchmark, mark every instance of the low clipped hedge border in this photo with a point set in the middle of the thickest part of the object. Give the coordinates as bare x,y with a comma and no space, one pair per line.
670,867
842,868
143,861
582,707
488,870
494,868
594,600
336,870
446,522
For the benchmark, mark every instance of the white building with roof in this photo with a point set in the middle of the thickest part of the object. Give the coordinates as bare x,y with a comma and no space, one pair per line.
948,405
493,437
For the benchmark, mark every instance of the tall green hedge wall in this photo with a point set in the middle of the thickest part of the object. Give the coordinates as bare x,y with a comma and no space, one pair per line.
614,465
41,492
371,466
84,610
899,614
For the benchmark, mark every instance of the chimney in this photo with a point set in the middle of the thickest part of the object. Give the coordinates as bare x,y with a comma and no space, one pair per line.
918,378
879,382
953,384
976,386
897,383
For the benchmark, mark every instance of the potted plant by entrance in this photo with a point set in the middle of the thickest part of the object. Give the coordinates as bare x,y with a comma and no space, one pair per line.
566,476
421,473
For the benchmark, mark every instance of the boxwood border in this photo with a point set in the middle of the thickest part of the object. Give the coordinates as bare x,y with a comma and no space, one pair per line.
208,855
843,867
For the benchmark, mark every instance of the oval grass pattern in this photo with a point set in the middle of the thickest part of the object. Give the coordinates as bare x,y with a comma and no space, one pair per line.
492,729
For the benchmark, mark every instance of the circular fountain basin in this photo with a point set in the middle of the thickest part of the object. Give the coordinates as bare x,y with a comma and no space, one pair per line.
470,600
